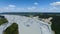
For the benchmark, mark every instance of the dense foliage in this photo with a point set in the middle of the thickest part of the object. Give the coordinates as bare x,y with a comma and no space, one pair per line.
55,21
13,29
3,20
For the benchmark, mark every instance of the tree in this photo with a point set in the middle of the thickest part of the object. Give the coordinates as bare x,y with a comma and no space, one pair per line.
13,29
3,20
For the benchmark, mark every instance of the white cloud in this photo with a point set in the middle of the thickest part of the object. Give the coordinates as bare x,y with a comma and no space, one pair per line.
32,8
11,6
54,7
55,4
36,3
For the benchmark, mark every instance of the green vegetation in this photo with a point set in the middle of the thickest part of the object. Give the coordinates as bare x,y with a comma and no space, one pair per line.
3,20
55,21
13,29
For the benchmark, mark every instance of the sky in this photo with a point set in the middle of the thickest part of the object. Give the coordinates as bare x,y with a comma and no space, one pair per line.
29,6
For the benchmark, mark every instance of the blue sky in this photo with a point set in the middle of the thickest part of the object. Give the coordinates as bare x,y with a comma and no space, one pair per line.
29,5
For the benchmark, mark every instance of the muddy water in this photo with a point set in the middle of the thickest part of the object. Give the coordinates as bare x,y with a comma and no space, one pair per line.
27,25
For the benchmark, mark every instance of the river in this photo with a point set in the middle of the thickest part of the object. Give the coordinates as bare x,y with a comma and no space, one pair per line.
27,25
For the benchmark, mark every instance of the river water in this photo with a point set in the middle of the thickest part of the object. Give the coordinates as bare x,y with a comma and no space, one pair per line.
27,25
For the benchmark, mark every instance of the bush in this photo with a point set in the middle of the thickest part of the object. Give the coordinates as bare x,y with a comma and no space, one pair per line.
13,29
3,20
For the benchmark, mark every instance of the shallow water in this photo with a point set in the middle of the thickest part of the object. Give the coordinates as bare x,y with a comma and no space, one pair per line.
27,25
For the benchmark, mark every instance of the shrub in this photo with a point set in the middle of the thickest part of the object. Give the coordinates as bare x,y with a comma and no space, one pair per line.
3,20
13,29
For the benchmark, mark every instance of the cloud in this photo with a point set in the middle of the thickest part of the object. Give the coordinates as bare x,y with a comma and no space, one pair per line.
53,7
32,8
14,8
35,3
55,4
11,6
